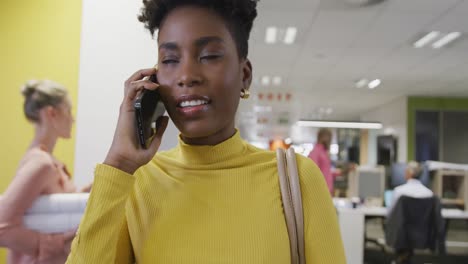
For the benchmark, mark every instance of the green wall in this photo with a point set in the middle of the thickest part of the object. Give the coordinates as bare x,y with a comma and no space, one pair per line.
429,103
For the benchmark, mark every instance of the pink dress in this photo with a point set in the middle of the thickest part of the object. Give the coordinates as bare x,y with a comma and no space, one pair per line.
25,187
320,156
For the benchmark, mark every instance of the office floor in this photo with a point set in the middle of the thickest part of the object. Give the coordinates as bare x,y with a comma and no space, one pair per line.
456,252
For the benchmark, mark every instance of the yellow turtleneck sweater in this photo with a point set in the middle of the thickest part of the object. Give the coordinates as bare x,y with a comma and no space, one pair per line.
206,205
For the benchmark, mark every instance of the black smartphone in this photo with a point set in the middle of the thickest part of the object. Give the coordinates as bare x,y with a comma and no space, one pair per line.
148,108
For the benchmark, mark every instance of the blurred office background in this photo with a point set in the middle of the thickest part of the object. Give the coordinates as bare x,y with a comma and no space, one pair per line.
396,71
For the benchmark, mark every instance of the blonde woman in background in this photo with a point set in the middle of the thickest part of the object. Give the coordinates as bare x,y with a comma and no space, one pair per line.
48,107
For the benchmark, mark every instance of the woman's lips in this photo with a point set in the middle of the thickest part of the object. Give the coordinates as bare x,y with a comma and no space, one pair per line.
193,111
192,105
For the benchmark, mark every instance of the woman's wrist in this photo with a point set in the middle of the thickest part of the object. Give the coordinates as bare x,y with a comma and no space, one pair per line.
124,165
50,246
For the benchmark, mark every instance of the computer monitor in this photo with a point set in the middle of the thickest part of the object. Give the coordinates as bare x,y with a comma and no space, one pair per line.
371,182
398,172
367,182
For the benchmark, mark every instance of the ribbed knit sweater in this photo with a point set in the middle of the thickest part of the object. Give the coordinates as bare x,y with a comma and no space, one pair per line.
207,205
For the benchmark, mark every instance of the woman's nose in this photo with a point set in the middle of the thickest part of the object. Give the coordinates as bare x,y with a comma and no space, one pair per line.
189,74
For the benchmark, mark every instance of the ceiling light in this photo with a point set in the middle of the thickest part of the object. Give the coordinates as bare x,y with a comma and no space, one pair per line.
271,33
426,39
277,80
265,80
374,83
446,40
337,124
362,83
290,35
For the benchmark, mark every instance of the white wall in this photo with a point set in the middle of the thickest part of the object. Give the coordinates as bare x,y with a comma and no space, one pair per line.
113,46
393,116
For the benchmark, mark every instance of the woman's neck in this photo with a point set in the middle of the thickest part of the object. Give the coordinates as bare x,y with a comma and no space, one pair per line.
211,140
44,138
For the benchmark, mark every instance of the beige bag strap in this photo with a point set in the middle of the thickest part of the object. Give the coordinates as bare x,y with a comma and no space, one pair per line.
292,202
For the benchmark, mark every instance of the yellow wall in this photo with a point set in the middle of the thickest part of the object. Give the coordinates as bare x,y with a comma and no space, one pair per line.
39,39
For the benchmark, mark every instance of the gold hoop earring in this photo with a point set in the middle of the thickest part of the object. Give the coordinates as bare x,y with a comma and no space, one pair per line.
245,94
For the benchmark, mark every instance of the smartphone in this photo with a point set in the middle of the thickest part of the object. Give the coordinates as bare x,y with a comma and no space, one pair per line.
148,108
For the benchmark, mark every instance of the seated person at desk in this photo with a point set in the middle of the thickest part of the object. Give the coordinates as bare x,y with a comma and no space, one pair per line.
48,107
413,187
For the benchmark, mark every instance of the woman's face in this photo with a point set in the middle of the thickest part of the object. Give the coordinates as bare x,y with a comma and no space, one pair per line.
64,119
200,74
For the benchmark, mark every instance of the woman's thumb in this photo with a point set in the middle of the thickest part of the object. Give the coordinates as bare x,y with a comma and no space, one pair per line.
161,125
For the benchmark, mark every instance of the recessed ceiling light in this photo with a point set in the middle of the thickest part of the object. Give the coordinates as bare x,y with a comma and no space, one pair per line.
265,80
374,84
277,80
362,83
290,35
271,33
426,39
446,40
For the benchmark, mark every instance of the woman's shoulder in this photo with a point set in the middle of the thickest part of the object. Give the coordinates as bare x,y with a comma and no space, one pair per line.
308,170
306,167
37,161
38,155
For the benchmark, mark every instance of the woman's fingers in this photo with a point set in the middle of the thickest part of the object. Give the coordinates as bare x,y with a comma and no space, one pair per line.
161,125
140,74
124,153
139,81
138,86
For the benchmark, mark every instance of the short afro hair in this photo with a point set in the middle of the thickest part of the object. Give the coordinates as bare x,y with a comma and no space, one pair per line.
237,14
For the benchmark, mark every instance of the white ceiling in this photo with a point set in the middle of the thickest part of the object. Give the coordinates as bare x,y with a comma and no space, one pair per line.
338,44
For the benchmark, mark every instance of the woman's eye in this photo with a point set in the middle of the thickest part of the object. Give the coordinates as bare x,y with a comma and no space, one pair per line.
169,61
210,57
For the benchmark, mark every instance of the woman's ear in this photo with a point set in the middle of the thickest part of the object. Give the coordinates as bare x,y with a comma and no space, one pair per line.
46,113
51,111
247,72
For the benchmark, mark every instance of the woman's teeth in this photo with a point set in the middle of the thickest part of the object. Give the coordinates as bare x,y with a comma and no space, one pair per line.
193,103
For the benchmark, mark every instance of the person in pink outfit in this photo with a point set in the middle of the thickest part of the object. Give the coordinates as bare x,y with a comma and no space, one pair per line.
48,107
320,155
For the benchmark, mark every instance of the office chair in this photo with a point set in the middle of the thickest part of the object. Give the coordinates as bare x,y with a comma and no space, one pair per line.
415,223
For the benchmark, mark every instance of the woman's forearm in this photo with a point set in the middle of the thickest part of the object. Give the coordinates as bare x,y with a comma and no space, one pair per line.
19,239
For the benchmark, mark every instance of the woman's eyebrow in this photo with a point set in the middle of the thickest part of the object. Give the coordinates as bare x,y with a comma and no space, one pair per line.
169,46
203,41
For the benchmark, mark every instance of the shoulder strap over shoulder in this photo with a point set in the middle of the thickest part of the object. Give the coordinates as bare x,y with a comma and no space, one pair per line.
292,202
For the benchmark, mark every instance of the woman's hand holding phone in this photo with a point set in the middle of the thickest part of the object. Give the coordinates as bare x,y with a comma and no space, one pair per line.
125,152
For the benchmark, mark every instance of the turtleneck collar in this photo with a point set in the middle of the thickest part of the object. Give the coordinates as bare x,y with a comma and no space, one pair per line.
202,155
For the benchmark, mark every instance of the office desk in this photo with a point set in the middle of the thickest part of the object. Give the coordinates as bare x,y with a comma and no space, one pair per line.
352,225
446,213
